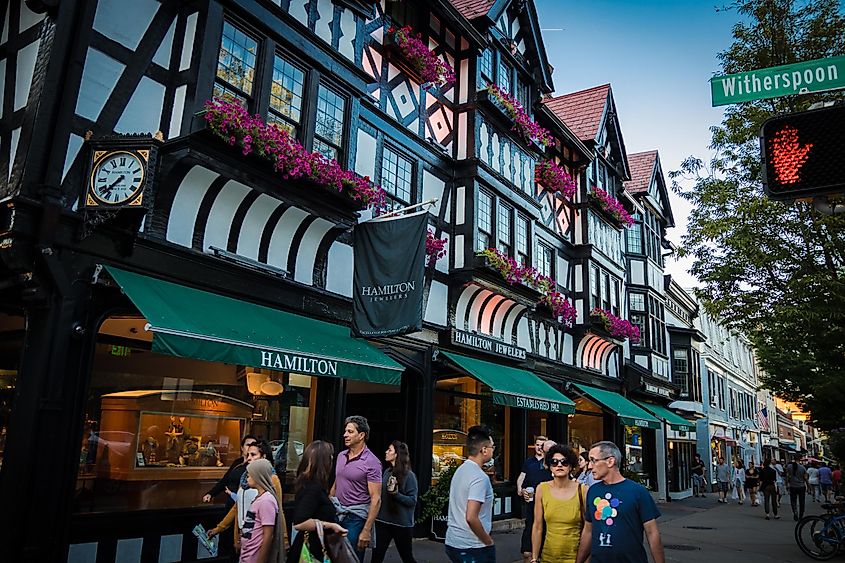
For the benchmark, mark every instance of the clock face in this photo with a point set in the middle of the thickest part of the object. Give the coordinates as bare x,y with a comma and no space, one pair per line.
117,178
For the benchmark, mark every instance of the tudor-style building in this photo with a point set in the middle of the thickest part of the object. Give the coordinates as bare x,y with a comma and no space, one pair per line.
143,336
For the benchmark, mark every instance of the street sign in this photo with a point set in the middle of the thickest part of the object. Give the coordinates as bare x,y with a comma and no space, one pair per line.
803,154
799,78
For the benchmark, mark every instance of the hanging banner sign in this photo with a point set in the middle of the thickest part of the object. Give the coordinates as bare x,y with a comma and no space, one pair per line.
387,298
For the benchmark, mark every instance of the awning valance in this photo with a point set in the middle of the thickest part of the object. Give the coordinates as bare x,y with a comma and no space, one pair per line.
628,412
674,420
512,386
191,323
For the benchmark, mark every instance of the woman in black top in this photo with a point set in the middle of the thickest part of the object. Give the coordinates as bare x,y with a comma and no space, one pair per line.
752,481
768,485
312,502
232,478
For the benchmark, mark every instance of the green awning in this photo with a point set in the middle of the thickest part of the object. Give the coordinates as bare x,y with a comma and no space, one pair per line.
196,324
674,420
628,412
513,387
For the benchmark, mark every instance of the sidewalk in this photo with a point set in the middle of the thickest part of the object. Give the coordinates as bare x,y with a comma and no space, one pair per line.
693,530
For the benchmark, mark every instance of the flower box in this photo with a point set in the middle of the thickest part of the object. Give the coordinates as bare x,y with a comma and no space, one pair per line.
610,207
413,57
618,329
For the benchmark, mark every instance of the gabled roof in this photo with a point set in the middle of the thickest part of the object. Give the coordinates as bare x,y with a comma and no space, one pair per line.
582,111
642,171
472,9
645,167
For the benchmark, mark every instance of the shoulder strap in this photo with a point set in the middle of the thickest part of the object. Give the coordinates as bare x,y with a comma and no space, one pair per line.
581,504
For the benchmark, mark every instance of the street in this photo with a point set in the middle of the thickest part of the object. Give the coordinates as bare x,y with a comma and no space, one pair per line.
693,530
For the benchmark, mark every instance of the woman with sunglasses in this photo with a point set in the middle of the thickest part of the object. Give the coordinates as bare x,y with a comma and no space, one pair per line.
559,505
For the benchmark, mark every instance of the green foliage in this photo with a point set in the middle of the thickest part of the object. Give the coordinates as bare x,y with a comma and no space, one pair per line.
772,270
435,500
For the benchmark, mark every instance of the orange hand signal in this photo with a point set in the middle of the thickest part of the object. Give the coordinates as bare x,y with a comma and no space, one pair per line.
788,156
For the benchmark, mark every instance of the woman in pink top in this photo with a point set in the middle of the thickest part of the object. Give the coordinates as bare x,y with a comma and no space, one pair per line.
261,532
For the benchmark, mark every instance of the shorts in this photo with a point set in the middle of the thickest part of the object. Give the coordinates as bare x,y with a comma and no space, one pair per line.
826,487
723,486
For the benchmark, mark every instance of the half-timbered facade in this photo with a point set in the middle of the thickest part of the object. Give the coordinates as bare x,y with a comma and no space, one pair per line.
132,334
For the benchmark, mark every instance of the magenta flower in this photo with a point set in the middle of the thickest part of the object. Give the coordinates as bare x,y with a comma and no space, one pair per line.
435,248
231,122
522,124
618,328
612,206
554,178
514,273
431,68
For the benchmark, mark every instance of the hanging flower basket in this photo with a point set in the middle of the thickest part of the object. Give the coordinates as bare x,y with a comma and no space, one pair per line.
231,122
611,206
430,68
554,178
616,327
514,273
522,124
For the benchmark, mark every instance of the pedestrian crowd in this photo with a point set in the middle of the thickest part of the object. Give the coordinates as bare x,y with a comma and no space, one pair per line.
773,482
578,505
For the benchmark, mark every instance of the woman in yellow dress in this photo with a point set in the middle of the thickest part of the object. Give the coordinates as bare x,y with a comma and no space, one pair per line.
559,504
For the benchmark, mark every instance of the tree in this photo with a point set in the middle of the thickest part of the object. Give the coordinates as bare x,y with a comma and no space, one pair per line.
774,271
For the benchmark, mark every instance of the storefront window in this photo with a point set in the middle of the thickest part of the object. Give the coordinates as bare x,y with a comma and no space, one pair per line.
538,425
586,426
680,460
460,403
11,344
159,431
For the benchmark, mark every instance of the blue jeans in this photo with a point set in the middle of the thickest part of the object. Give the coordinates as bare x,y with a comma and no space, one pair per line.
475,555
354,524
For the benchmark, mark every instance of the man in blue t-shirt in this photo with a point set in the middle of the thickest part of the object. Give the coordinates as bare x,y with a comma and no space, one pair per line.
618,512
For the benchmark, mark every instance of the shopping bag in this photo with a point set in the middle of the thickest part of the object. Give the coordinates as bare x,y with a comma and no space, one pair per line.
734,494
305,555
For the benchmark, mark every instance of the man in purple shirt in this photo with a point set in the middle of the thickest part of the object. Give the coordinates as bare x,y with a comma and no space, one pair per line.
357,485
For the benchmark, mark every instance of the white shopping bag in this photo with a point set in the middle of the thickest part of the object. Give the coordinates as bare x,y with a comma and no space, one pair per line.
734,494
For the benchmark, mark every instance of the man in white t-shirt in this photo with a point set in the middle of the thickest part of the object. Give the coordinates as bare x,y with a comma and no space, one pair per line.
471,503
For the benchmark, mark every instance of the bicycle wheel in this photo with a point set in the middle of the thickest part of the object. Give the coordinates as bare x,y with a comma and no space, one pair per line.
818,537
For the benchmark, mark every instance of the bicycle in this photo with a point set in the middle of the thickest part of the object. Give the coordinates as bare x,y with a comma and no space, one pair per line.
823,536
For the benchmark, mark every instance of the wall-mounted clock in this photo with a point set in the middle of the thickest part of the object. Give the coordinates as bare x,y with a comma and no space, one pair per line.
117,178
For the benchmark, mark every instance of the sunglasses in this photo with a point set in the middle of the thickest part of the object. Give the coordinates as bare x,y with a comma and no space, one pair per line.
559,463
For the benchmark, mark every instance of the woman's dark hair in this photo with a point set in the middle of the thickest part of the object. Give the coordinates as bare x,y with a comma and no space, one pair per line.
264,449
568,454
316,465
248,437
403,461
767,462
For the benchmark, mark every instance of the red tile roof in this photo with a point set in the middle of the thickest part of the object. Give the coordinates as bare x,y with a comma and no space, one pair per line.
581,111
642,169
472,9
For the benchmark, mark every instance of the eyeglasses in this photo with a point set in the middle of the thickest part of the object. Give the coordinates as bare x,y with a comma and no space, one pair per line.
594,460
558,462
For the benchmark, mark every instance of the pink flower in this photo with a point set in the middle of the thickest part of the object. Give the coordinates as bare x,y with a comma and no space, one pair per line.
435,248
431,68
523,124
612,206
618,328
232,123
514,273
554,178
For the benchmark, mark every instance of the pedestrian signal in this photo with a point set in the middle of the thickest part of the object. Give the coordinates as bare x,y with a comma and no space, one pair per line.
804,154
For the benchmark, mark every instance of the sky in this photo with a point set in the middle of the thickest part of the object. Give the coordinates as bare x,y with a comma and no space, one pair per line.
658,58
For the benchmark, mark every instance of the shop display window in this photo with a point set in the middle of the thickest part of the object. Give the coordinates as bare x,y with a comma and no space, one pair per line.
460,403
586,425
538,425
160,431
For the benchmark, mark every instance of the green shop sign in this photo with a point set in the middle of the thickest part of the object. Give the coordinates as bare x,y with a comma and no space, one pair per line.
799,78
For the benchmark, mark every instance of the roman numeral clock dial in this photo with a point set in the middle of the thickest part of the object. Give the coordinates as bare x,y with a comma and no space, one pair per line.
117,179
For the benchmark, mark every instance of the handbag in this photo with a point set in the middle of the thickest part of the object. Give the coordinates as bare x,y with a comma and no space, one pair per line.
305,555
340,549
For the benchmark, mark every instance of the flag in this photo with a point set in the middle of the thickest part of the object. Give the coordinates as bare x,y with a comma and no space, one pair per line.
387,284
763,419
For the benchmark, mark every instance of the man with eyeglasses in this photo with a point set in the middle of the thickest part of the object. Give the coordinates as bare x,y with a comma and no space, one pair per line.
232,478
617,514
534,472
471,503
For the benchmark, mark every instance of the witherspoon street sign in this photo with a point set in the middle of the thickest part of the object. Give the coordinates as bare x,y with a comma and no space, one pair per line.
798,78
